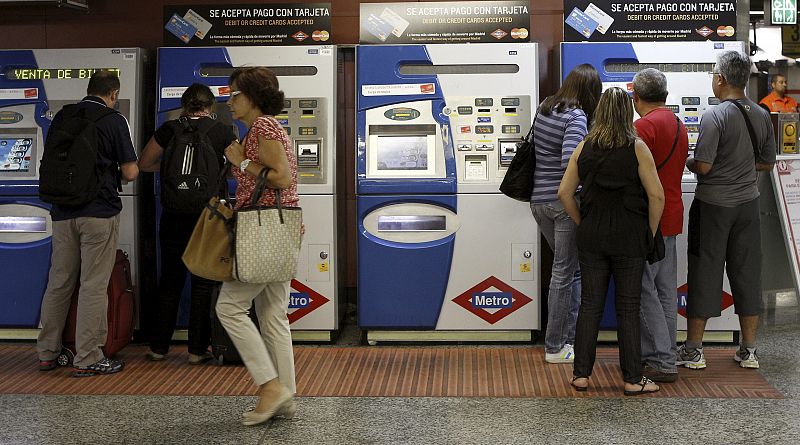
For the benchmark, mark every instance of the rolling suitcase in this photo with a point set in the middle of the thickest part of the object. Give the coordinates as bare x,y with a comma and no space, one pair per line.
121,313
222,347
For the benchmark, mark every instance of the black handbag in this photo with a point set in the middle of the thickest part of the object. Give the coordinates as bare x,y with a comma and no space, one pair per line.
518,181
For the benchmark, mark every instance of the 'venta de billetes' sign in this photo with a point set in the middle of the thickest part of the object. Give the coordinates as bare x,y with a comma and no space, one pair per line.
649,20
238,25
445,22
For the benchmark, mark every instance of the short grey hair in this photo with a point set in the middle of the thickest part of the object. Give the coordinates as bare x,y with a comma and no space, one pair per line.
734,67
650,85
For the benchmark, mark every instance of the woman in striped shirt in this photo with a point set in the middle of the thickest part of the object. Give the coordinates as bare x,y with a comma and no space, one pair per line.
560,125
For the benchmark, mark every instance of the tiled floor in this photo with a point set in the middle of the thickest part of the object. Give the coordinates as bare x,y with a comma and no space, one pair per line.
37,419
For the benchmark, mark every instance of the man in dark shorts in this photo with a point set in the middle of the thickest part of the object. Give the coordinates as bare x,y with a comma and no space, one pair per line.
724,223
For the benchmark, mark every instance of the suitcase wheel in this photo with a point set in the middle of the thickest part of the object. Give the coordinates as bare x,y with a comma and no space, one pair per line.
65,358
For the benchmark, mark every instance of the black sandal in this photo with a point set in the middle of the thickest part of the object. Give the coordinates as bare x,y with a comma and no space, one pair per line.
643,384
579,388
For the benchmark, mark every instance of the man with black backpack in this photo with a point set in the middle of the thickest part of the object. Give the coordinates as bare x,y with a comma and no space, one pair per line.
88,153
188,155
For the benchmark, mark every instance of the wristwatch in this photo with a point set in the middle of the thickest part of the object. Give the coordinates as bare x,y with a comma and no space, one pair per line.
244,164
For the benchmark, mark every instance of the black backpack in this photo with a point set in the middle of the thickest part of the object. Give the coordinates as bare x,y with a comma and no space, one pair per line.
71,173
190,167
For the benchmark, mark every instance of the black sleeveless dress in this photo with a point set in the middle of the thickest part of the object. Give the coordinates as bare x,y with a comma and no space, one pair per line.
614,219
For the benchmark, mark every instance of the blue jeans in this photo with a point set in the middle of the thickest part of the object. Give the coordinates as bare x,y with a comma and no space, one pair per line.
659,310
564,297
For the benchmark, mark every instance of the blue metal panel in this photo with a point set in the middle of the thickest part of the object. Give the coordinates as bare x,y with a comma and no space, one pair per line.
597,55
23,59
401,285
379,65
27,266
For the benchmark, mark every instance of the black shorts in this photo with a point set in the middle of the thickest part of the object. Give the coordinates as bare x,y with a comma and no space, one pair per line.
730,238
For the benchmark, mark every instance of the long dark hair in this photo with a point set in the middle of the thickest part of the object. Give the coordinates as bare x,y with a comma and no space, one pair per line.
581,89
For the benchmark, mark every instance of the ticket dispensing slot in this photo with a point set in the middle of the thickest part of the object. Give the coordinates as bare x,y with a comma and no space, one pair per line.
308,153
508,149
412,223
23,224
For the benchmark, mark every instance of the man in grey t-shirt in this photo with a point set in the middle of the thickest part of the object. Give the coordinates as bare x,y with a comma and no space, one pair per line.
724,224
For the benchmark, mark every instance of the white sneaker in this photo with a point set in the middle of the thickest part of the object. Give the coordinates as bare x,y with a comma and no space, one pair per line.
565,355
747,358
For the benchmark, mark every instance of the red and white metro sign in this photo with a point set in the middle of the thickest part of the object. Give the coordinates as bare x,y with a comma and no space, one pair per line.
683,292
304,301
492,300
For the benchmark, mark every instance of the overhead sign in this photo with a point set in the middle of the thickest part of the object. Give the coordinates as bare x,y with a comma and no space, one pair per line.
780,12
445,22
649,20
245,25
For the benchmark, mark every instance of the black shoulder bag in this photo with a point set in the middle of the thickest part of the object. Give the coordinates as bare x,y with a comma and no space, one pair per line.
518,181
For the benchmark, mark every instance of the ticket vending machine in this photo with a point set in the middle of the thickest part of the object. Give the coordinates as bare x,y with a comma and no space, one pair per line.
34,85
687,66
441,252
307,76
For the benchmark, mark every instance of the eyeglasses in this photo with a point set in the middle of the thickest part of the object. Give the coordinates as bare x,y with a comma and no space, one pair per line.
235,93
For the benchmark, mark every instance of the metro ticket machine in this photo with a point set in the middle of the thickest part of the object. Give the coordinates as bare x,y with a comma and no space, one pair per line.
34,86
307,76
687,66
442,254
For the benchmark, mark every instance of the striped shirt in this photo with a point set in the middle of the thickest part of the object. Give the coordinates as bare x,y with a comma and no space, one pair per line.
554,138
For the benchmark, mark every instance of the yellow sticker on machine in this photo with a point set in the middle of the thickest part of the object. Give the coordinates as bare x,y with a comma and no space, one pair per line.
323,266
525,267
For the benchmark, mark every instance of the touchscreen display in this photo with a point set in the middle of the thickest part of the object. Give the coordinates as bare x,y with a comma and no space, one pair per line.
15,154
402,153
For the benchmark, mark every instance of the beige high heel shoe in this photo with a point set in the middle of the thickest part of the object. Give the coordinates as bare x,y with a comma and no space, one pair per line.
280,404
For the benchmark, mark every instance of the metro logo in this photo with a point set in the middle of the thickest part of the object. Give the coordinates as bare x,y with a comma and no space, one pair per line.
31,93
305,301
683,292
300,36
705,31
479,299
499,34
492,300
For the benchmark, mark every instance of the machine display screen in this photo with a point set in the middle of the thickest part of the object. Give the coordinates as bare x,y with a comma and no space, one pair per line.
55,73
635,67
484,102
15,154
402,153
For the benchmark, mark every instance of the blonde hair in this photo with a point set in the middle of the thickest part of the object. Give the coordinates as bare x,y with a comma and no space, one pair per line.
613,121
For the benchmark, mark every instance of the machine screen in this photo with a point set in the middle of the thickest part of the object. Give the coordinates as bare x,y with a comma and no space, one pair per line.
484,102
402,153
15,154
634,67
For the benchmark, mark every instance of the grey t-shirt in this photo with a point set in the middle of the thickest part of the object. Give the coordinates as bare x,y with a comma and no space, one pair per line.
725,144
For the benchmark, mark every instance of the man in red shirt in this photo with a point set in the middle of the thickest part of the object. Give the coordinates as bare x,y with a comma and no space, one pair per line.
777,101
667,139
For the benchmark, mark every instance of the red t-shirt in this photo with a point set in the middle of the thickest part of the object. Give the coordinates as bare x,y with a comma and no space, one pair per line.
269,128
657,130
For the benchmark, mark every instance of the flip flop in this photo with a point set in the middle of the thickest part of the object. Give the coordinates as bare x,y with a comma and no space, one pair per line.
643,384
579,388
